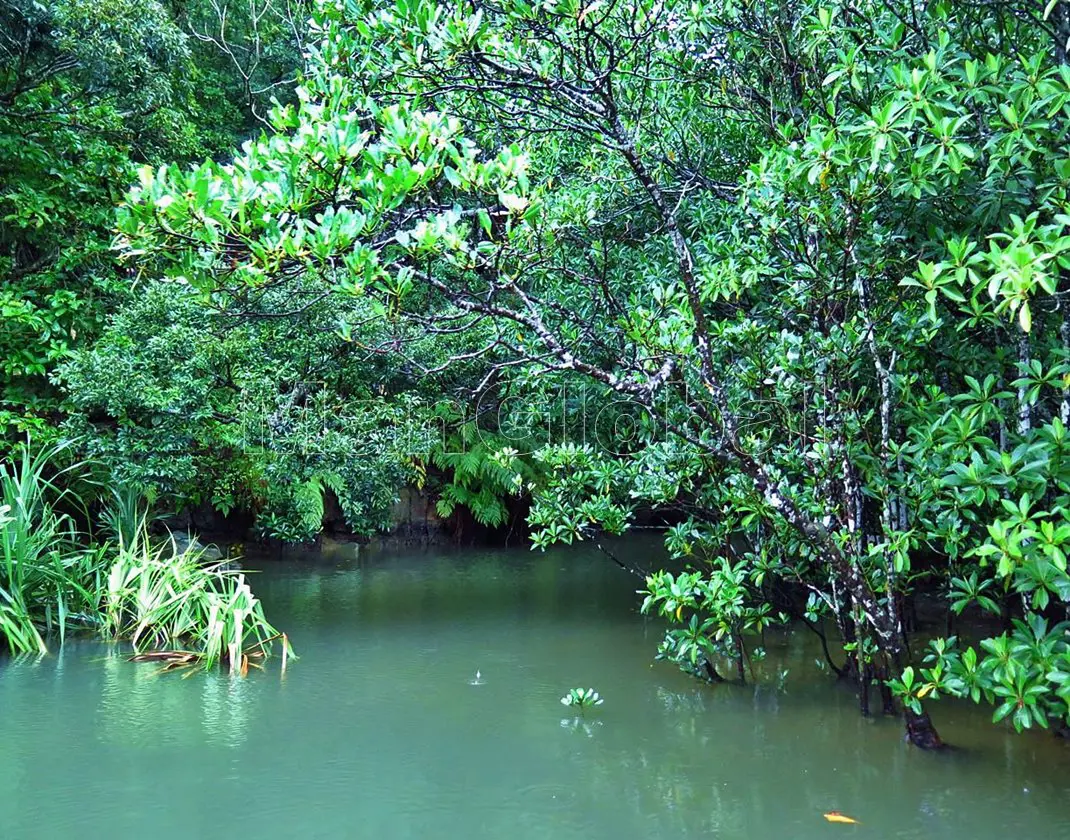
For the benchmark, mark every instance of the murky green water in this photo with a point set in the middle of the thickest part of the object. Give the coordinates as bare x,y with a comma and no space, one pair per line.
377,732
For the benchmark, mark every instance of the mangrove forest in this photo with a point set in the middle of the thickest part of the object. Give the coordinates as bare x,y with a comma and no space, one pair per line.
535,418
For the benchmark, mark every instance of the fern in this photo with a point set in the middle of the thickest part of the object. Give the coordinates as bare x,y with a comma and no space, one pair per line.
296,513
476,477
334,482
308,499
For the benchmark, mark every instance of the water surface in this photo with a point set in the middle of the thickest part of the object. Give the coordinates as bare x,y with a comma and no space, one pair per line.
377,731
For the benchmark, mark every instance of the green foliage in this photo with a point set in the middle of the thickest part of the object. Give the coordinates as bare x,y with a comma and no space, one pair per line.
582,698
714,611
127,514
258,414
88,90
54,579
482,471
276,205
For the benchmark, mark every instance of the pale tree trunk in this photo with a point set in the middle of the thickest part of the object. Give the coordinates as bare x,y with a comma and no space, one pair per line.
1064,337
1025,414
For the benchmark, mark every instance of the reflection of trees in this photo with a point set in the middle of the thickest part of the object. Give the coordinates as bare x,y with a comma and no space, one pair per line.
650,786
437,586
739,762
655,780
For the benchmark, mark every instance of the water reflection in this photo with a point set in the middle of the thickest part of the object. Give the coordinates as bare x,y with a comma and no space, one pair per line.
134,705
581,725
140,707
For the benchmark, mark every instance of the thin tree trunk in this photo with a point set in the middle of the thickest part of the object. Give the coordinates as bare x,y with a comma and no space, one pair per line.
1060,18
1025,414
1064,338
887,700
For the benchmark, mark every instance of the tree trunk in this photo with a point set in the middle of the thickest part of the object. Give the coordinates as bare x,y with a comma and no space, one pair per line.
850,668
1025,414
921,732
1060,17
711,672
887,700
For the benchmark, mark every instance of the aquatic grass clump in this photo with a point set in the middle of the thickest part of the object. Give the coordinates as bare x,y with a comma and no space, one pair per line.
177,609
171,604
48,580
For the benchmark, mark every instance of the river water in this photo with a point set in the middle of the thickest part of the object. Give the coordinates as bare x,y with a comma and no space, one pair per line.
378,732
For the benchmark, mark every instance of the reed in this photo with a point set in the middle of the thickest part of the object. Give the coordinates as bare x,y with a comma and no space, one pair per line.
175,608
169,603
48,578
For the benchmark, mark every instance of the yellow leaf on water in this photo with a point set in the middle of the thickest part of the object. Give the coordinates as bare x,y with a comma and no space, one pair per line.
678,609
837,817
